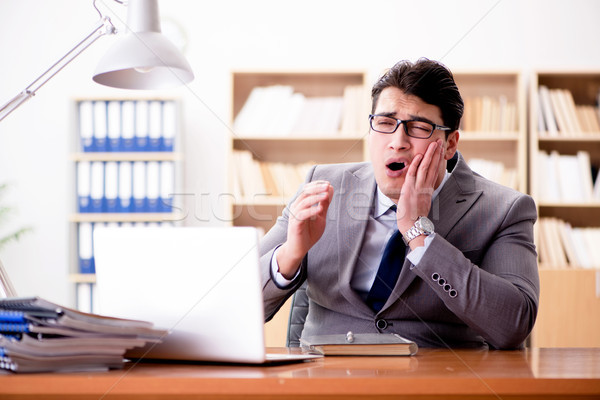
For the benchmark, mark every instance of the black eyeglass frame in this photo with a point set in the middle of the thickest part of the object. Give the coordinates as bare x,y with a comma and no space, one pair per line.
404,122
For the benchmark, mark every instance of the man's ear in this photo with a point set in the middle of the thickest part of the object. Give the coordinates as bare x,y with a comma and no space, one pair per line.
452,145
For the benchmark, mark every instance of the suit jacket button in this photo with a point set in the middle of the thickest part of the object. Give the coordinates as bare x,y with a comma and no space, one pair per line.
381,324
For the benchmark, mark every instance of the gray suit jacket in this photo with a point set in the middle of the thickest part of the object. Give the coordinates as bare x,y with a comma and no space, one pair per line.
483,253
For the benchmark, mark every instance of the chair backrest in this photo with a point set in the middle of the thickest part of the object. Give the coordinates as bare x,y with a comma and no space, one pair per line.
298,312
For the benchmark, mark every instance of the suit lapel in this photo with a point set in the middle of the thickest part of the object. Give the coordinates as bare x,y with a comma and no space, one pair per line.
353,211
454,200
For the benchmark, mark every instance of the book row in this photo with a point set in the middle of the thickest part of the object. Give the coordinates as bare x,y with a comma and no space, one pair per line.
564,246
558,115
256,179
567,178
125,186
280,111
490,114
85,240
127,126
495,171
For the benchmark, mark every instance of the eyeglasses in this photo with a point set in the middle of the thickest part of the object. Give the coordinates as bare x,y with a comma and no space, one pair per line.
413,128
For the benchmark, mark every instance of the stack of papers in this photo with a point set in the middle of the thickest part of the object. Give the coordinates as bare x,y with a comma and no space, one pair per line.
39,336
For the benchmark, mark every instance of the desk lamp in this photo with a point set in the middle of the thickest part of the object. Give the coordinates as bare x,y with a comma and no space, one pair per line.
142,59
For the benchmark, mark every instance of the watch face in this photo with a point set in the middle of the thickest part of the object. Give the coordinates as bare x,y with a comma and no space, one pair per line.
425,224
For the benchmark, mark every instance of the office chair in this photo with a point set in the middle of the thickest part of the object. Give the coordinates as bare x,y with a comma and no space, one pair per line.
298,311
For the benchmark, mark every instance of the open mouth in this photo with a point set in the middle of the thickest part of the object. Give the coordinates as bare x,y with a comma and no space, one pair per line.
396,166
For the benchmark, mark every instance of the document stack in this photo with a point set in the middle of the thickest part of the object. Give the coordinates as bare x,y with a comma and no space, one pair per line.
39,336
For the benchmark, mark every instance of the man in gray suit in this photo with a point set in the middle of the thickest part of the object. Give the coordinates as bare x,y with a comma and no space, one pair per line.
468,276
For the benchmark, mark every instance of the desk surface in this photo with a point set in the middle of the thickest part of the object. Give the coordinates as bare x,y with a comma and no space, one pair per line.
447,374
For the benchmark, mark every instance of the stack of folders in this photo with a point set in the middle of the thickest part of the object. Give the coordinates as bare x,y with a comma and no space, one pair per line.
39,336
125,186
127,126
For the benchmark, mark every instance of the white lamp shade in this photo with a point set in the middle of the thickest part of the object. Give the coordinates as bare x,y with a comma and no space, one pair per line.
143,60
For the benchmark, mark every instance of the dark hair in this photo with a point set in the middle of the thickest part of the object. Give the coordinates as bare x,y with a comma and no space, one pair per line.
429,80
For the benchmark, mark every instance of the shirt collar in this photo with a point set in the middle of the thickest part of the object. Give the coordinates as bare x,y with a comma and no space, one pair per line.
383,203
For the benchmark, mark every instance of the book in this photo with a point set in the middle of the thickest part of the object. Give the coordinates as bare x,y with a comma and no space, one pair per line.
547,111
360,344
46,337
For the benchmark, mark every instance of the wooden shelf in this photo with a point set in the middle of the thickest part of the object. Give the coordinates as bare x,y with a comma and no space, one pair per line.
488,136
569,308
82,278
126,217
262,201
127,156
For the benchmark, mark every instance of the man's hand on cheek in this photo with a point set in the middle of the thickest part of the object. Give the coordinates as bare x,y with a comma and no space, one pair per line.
418,187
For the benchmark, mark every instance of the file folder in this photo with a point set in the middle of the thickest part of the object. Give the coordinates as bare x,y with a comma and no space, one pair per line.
167,186
141,125
139,186
152,186
86,125
127,126
84,186
97,187
100,126
86,252
114,125
155,135
169,125
125,195
84,299
111,186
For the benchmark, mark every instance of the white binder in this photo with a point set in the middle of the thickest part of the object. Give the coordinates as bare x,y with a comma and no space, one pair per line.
155,126
114,125
125,193
97,186
83,186
111,186
152,185
167,186
139,186
127,126
86,125
141,125
100,126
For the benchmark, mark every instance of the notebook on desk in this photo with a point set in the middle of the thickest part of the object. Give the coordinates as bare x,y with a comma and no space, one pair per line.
202,284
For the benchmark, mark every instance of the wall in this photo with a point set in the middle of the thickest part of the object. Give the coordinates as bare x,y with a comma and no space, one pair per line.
35,140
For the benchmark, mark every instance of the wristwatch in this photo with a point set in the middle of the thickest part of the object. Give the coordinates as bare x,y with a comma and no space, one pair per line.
422,226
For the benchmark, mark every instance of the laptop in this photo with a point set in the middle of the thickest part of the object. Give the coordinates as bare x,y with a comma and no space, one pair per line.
201,283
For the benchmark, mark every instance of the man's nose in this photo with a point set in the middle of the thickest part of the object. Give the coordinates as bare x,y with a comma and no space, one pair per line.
399,139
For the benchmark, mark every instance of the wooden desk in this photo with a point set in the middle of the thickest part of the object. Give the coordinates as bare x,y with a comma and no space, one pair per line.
432,374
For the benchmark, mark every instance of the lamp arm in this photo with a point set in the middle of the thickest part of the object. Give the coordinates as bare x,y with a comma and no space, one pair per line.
104,27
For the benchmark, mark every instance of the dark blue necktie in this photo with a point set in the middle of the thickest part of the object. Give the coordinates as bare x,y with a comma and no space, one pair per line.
388,272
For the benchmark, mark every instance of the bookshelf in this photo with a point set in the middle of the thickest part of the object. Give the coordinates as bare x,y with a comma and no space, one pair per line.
283,122
126,171
564,158
496,133
493,128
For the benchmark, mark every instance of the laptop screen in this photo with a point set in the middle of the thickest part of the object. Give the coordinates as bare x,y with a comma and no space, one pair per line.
202,283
